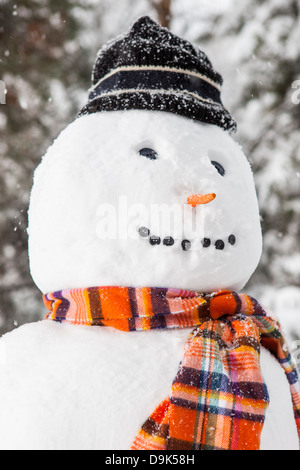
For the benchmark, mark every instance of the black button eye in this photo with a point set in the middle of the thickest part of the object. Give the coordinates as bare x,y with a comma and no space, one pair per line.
220,169
148,153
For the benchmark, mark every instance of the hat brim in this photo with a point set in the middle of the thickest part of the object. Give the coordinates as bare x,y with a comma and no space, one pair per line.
182,104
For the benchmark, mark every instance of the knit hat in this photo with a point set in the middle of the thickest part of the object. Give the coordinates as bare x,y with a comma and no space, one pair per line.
151,68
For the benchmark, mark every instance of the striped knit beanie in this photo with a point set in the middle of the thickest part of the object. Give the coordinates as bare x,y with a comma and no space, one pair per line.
152,69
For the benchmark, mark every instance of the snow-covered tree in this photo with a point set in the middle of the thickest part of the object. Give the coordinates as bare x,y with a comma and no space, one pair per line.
43,66
255,44
267,55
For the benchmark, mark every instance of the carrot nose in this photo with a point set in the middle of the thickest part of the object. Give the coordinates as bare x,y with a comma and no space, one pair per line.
198,199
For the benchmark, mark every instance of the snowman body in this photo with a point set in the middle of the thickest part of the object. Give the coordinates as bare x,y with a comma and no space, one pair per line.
79,387
66,387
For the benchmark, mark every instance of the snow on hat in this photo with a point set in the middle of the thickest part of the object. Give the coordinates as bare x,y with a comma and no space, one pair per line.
151,68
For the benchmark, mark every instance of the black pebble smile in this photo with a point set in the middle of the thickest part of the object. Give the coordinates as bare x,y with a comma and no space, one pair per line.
219,244
169,241
144,232
185,244
206,242
155,240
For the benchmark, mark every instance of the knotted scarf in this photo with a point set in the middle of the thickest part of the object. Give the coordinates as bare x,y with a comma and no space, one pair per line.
218,399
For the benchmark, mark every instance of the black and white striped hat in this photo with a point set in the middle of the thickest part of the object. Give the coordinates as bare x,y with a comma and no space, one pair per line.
151,68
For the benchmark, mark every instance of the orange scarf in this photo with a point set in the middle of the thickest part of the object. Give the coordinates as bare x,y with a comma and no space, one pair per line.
218,398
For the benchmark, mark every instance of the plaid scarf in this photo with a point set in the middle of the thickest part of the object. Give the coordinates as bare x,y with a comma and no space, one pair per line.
218,399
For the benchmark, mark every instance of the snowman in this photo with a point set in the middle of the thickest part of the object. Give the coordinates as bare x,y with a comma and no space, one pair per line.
143,229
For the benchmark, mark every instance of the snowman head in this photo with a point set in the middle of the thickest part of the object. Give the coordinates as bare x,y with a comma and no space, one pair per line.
147,187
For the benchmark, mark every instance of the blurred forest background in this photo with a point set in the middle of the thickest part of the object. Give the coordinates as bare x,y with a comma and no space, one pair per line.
47,49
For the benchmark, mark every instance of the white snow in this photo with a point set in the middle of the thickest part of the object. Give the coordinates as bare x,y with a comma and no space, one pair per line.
279,431
68,387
